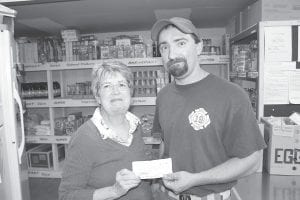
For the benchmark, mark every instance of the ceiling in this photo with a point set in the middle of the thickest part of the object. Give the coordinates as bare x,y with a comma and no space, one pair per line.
48,17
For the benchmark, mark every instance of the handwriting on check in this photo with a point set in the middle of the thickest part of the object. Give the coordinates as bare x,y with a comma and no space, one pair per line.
152,169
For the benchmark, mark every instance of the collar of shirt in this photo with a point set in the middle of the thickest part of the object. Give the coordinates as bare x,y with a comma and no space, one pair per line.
105,132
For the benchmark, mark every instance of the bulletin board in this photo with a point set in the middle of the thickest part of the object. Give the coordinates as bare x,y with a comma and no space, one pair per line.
281,68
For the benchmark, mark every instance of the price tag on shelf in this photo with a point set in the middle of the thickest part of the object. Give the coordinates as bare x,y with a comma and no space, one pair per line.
33,173
62,139
30,139
88,101
29,104
40,103
146,101
36,103
59,102
54,64
44,173
143,61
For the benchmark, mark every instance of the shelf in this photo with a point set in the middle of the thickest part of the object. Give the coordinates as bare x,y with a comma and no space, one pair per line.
245,36
143,101
88,101
37,103
213,59
89,64
250,76
38,173
41,103
132,62
45,173
46,139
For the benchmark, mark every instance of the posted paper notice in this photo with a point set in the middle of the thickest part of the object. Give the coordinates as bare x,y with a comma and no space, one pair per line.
153,168
294,87
278,43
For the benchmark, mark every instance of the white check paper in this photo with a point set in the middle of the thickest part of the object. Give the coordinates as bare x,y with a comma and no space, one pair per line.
152,169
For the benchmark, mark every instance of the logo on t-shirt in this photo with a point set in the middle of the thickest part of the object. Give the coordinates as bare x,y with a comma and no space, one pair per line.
199,119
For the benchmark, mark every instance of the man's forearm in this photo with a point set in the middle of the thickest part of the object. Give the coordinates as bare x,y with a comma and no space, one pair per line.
230,170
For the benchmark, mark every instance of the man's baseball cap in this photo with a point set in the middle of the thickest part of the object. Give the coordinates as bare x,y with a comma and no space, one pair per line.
184,25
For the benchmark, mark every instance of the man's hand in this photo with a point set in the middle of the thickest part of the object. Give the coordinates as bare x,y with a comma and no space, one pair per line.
178,181
125,180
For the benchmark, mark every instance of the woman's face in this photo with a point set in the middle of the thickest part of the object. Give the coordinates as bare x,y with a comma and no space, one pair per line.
114,94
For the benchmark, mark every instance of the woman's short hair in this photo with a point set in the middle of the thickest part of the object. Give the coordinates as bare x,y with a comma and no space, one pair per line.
107,68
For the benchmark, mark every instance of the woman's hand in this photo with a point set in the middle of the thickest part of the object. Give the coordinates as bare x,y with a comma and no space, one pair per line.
125,180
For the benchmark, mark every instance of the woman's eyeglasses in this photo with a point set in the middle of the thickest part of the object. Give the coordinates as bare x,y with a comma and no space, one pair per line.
121,86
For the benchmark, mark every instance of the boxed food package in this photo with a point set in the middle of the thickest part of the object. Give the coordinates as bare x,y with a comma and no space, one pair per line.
104,52
128,51
75,115
59,125
283,139
41,156
225,44
123,41
140,51
113,52
120,52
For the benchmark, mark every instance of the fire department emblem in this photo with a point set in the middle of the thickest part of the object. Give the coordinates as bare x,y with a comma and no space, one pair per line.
199,119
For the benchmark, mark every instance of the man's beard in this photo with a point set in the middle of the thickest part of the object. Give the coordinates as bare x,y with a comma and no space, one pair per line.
177,67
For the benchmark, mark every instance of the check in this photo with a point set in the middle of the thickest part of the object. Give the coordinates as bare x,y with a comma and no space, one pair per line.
153,168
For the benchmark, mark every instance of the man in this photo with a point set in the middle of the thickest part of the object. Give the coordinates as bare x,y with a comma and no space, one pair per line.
207,123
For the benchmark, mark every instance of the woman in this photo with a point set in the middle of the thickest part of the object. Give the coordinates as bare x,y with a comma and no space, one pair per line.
101,152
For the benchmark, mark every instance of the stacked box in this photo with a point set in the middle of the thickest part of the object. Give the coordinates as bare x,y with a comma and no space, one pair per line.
68,125
120,51
70,35
128,51
41,156
113,52
225,44
123,42
145,82
104,52
124,51
283,153
79,90
59,125
140,51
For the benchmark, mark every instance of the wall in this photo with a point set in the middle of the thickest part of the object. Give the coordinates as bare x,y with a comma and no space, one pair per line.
263,10
280,10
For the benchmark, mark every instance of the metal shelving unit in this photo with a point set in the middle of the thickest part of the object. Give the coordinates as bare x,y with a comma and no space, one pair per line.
56,72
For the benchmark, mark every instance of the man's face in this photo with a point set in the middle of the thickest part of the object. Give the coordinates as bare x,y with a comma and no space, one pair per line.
179,52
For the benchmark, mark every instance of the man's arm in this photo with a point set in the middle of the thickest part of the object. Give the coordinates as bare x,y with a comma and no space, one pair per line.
232,169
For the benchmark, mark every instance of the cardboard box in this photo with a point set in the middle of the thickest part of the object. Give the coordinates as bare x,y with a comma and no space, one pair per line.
104,52
123,42
283,153
278,187
261,128
41,156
